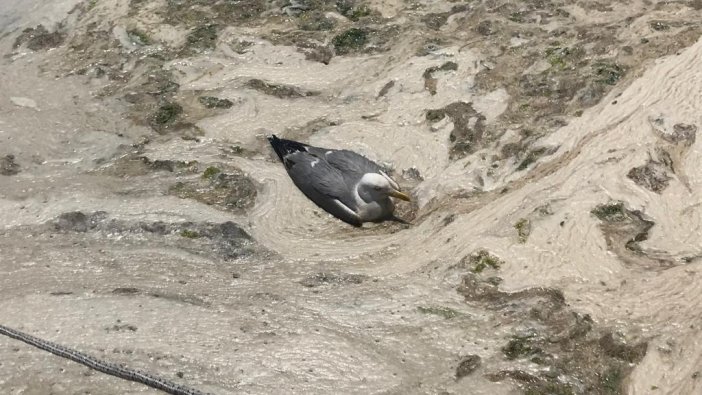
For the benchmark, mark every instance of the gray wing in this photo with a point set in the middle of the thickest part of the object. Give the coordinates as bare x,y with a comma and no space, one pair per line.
324,184
348,162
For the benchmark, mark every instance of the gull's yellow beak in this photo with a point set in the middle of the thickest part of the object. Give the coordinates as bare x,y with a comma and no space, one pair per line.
400,195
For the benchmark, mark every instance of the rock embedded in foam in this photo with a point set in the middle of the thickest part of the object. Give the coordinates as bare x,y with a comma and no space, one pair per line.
468,365
652,176
228,189
8,166
39,38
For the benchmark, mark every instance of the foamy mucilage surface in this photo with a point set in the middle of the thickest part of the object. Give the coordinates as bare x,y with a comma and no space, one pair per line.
124,237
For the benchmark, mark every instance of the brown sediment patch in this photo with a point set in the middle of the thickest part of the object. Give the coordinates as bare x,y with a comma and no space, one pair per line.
674,142
623,230
229,189
479,260
551,74
135,164
201,38
574,355
224,241
326,278
654,174
429,81
436,20
39,38
215,102
77,221
385,89
350,41
279,90
468,134
529,157
223,12
316,52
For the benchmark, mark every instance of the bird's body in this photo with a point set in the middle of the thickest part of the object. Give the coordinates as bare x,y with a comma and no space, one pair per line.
347,185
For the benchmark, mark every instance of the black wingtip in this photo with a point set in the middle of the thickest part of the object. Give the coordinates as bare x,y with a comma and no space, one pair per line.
283,147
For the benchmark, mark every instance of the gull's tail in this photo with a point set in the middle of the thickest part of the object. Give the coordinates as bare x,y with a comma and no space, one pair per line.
284,147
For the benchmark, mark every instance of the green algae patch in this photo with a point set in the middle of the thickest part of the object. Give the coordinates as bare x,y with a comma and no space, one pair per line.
352,40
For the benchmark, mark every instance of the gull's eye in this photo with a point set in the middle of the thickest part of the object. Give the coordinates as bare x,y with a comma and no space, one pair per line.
376,188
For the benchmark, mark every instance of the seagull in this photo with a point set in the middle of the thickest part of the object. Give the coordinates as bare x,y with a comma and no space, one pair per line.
343,183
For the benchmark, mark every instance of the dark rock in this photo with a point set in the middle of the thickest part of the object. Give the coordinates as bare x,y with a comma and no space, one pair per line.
475,289
611,212
353,10
386,88
429,80
39,38
533,155
214,102
480,260
517,375
189,234
350,41
521,347
157,227
623,229
559,88
412,174
608,73
232,191
591,95
278,90
485,28
618,349
429,47
511,149
166,114
60,293
466,136
74,221
652,176
203,37
318,53
229,240
468,365
659,26
323,278
574,354
159,164
682,133
133,164
8,166
125,291
138,37
229,230
436,20
315,21
121,328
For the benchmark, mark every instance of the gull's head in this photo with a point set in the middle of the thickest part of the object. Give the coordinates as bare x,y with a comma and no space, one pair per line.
379,185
